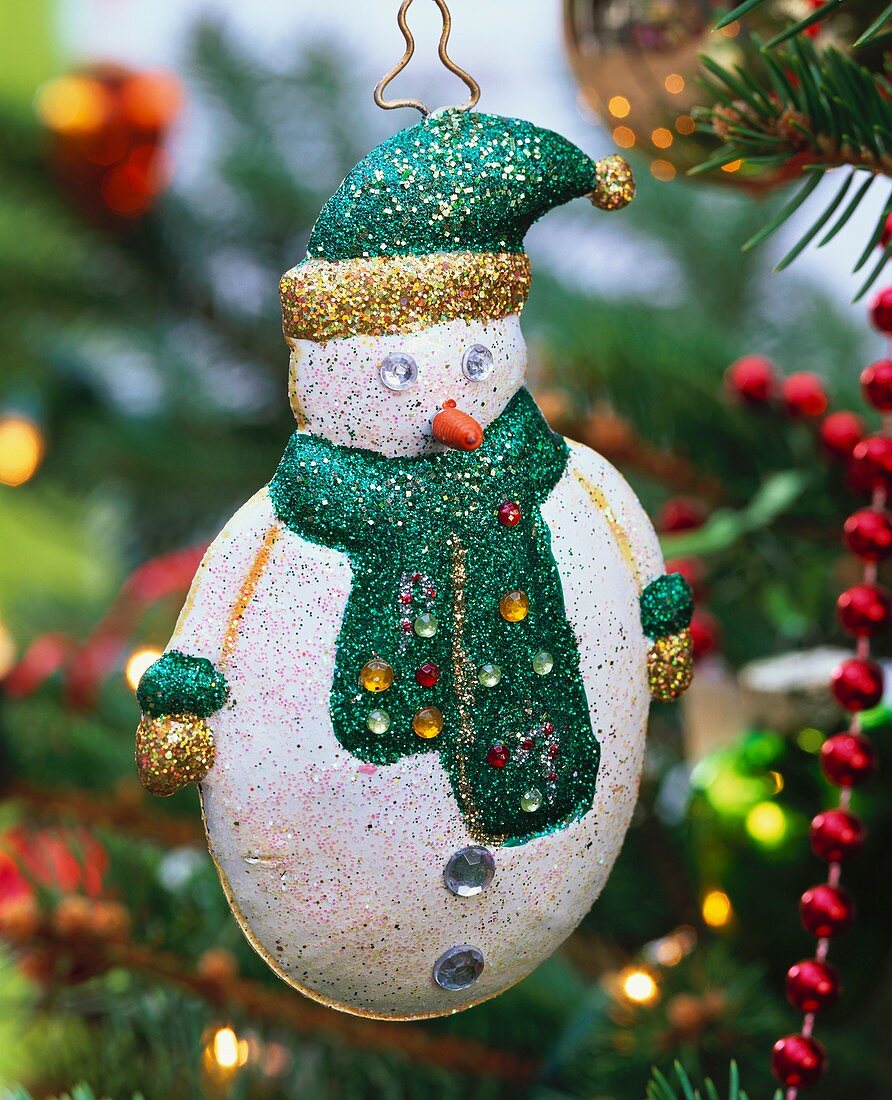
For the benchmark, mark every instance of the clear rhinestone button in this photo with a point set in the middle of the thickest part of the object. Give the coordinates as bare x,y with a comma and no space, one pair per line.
458,967
398,371
477,363
469,872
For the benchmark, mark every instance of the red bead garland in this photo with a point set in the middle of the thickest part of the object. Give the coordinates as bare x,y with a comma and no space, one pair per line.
812,985
751,379
804,395
847,759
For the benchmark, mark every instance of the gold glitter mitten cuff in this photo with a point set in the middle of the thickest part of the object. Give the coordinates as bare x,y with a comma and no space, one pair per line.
173,751
670,666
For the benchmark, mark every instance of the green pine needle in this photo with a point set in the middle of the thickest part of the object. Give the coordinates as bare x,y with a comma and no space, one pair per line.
661,1089
876,27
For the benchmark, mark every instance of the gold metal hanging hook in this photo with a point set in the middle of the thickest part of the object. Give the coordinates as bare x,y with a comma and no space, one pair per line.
468,80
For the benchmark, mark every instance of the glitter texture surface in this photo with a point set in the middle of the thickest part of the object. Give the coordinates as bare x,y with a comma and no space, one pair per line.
172,752
615,186
437,516
456,182
670,666
667,605
179,684
384,295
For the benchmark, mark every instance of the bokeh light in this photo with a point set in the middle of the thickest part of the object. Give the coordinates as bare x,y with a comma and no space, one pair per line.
639,987
767,824
137,663
73,105
716,909
21,449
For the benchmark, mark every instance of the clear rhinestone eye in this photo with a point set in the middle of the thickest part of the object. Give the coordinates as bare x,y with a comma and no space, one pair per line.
477,363
398,371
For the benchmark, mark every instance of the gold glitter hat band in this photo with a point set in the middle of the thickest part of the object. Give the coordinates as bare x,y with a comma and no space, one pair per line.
378,296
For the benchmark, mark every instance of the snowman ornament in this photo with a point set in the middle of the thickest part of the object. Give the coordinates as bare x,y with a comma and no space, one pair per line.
412,675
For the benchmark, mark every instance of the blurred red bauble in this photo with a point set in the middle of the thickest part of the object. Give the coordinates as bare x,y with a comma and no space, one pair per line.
706,634
848,759
812,986
751,378
876,382
150,101
872,462
835,835
864,610
65,860
681,514
868,534
881,310
826,911
804,395
887,232
798,1060
692,569
857,683
840,434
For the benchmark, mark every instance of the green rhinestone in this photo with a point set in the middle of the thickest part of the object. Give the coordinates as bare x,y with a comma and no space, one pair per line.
378,721
426,625
489,675
543,663
531,800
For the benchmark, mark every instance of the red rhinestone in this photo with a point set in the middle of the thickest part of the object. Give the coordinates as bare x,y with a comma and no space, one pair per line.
872,462
826,911
848,759
868,534
416,577
407,626
432,593
427,675
509,513
798,1060
841,432
553,777
835,835
812,986
864,610
406,597
881,310
876,382
548,727
751,378
553,751
498,755
804,395
857,684
527,744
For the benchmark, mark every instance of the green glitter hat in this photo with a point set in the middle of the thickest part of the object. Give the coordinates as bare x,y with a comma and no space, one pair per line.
430,226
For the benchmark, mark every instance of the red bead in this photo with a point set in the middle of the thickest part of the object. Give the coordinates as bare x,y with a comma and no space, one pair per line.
841,432
826,911
509,513
498,755
804,395
872,462
798,1060
554,751
427,675
751,378
681,514
548,727
406,597
881,310
406,625
835,835
868,534
887,232
857,684
864,610
812,985
706,634
527,744
876,382
848,760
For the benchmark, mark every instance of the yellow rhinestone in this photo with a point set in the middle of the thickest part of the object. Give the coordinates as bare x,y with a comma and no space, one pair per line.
376,675
514,606
428,723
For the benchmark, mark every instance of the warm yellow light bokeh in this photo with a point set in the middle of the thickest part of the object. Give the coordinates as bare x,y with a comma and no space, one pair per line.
639,987
685,125
21,449
619,106
624,137
72,104
674,83
734,166
662,170
766,823
137,663
717,911
662,138
7,650
227,1050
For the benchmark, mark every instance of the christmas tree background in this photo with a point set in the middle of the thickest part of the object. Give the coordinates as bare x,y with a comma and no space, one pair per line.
142,399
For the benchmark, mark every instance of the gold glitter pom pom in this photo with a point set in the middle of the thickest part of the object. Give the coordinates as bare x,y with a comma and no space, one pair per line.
173,751
614,183
670,666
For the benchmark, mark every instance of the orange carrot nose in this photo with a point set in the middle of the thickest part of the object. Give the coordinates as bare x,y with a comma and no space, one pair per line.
457,429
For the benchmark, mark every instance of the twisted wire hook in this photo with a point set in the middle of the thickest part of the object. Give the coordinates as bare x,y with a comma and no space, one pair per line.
471,84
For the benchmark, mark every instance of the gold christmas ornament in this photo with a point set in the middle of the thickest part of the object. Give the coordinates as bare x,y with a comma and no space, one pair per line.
637,61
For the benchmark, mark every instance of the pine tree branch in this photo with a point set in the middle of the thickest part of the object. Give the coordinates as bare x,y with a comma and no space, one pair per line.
830,7
661,1088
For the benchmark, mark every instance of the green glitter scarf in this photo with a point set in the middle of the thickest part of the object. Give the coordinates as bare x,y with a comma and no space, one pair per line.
423,537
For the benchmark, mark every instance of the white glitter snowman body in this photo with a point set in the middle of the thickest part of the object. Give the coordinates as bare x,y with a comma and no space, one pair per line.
334,867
